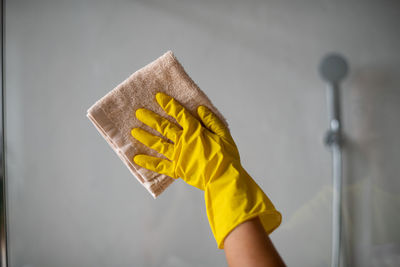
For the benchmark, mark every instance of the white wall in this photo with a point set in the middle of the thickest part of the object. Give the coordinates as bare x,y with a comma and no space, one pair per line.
71,202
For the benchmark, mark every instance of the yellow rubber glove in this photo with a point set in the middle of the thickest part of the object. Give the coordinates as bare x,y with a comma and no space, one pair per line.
204,155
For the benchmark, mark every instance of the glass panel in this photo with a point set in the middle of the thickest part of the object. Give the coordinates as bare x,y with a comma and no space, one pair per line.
72,202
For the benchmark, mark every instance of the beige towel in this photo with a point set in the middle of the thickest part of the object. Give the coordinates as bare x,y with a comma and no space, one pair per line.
114,114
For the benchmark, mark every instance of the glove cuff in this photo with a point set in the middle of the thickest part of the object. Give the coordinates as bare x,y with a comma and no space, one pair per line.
234,198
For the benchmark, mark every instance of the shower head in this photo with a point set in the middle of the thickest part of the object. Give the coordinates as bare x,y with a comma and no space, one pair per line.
333,68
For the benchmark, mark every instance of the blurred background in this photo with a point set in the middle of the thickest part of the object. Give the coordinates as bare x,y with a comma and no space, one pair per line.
72,202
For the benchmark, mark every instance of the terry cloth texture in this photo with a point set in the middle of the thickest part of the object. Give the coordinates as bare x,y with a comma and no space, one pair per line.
114,114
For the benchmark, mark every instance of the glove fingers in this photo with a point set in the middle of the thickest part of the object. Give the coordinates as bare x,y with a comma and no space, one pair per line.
154,142
158,123
176,110
155,164
212,122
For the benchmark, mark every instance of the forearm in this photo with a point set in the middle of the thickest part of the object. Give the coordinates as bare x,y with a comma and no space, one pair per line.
204,154
249,245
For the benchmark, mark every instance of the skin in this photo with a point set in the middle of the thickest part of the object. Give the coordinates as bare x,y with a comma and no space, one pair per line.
249,245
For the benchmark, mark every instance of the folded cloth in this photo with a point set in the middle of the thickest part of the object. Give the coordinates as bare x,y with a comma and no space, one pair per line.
114,114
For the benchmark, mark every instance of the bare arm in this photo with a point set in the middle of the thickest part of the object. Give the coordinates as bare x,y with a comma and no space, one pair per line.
249,245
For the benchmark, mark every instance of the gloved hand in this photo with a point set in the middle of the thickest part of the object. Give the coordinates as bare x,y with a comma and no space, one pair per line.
205,156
